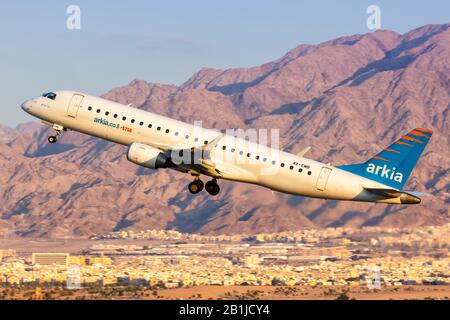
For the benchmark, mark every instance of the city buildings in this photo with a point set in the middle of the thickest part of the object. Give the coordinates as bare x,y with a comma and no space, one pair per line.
370,257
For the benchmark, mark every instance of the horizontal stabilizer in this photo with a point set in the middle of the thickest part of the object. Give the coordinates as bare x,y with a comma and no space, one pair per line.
403,197
391,193
418,194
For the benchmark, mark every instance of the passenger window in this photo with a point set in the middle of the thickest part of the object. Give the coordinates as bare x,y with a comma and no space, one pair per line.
196,139
205,142
124,118
132,120
248,155
241,152
224,148
89,108
291,167
98,110
282,165
167,130
186,136
309,173
232,149
265,159
159,128
149,125
141,123
257,157
115,115
273,162
300,170
176,133
106,113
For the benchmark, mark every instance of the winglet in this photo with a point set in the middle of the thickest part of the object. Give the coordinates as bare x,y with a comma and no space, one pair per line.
304,151
212,143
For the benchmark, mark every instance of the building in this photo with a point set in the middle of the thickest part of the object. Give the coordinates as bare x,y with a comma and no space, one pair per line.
12,279
98,260
43,259
89,260
7,253
77,260
251,260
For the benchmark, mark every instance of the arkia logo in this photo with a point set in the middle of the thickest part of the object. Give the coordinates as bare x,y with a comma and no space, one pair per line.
385,172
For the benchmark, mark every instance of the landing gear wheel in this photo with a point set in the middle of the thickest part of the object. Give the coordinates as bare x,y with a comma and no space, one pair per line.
52,139
58,129
195,186
212,187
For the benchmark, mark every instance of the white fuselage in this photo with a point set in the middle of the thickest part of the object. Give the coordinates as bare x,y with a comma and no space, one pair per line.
241,160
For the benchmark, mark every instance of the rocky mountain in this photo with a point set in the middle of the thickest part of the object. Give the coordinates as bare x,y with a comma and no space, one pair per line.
347,98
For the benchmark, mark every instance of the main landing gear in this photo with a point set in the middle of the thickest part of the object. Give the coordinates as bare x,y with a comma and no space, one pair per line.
197,185
58,129
212,187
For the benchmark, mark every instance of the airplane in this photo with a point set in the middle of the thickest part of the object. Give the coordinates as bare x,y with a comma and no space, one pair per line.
159,142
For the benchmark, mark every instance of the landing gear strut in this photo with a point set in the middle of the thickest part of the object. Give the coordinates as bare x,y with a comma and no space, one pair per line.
212,187
195,186
58,129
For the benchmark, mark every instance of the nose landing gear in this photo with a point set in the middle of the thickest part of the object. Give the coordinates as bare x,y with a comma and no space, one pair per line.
58,129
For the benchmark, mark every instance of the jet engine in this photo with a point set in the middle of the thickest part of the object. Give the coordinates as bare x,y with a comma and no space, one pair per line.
147,156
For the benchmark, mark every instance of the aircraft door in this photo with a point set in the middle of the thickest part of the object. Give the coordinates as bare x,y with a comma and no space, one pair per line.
323,178
74,105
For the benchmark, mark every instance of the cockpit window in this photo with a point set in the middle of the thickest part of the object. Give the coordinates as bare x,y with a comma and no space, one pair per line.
50,95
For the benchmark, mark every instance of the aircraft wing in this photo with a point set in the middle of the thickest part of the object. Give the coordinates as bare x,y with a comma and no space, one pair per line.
202,164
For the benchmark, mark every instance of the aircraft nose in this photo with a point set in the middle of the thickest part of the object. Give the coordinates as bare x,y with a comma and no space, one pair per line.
26,105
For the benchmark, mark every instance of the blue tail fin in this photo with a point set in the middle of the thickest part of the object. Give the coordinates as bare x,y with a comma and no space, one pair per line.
393,165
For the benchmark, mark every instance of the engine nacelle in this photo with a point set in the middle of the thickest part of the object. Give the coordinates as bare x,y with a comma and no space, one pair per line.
147,156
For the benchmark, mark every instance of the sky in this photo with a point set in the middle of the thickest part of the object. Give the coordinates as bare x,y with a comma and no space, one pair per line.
168,41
